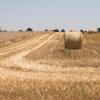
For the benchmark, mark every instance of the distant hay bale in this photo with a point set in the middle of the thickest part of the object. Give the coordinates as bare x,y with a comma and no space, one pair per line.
73,40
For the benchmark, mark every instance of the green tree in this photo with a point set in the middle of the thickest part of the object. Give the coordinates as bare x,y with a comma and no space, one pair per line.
98,29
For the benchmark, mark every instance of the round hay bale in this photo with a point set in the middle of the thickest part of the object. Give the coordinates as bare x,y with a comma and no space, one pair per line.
73,40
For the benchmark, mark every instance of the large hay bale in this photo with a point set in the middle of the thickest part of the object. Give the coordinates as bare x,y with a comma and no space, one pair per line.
73,40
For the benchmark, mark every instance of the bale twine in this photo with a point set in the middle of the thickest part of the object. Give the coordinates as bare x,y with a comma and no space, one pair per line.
73,40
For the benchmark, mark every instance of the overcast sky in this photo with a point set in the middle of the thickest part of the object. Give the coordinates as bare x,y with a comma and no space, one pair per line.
42,14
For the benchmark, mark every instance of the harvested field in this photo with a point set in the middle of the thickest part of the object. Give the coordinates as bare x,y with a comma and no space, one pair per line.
39,67
7,38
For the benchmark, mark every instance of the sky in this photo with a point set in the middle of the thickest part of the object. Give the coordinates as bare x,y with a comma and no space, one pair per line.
49,14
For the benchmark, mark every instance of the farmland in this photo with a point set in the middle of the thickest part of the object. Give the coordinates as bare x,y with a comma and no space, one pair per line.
36,66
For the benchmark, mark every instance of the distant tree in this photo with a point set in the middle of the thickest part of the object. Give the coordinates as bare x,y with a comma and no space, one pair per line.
46,29
62,30
20,30
82,31
29,29
98,29
5,31
0,29
55,30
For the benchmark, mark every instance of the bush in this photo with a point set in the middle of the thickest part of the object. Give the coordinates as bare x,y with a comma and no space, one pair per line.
46,29
81,31
29,29
62,30
98,29
20,30
55,30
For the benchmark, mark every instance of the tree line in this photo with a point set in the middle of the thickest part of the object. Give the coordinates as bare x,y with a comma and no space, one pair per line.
54,30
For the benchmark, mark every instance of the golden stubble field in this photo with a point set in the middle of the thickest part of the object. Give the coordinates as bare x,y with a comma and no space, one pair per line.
36,66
